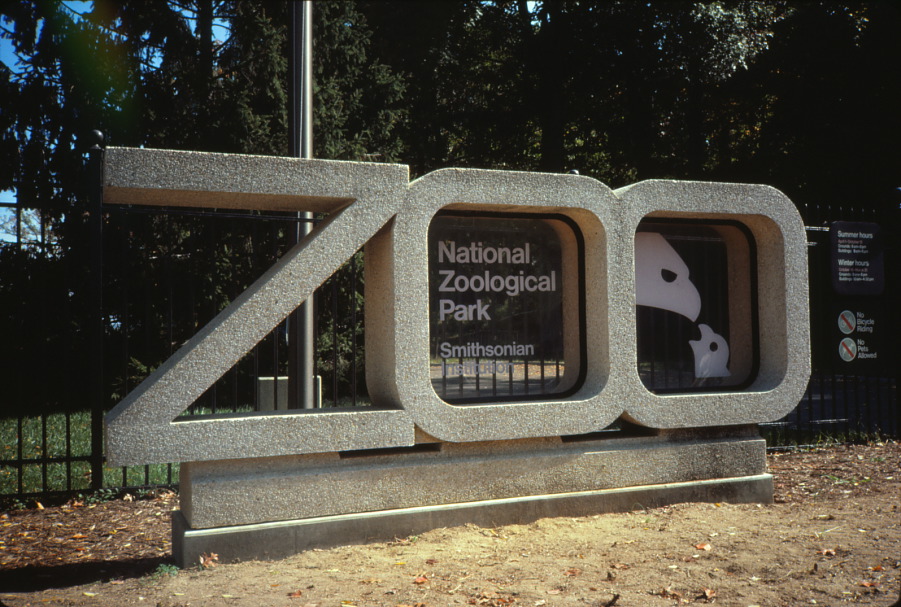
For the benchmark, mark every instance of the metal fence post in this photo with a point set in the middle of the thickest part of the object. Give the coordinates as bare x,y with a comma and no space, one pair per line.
96,325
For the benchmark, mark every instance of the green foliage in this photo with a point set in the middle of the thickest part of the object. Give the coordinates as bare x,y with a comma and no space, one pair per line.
763,90
100,496
164,570
60,436
357,100
788,93
782,438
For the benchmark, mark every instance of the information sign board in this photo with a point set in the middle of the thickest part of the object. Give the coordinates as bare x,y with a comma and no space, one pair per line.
858,336
858,260
496,306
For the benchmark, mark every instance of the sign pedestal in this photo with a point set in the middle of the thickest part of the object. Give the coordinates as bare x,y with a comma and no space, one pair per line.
271,508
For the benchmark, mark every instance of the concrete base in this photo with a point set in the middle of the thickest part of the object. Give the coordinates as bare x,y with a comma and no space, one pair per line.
273,507
270,541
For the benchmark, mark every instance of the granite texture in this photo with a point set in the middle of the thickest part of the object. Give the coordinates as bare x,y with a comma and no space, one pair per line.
360,199
239,492
374,205
241,181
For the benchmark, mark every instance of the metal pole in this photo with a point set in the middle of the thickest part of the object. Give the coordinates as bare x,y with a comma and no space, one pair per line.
300,126
97,389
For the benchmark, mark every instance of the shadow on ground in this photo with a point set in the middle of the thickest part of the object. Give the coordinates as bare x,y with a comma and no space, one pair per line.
35,579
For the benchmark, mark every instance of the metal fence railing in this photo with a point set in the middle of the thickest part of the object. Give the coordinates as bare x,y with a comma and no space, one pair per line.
855,399
120,290
107,293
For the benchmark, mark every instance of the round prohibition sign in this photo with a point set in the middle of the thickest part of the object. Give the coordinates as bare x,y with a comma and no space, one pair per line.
847,349
847,322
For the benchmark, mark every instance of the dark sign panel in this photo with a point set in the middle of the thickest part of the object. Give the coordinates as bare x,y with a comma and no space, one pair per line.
696,306
496,292
858,260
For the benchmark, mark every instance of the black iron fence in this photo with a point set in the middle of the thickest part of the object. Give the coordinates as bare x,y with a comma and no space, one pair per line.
92,299
106,294
852,395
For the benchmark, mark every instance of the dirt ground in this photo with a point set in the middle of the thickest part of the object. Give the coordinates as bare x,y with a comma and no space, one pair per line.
833,536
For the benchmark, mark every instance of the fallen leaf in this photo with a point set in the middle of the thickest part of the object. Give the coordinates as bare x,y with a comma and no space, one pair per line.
208,560
78,536
295,595
40,506
707,594
620,566
420,580
572,572
90,594
869,584
669,593
703,546
430,561
877,568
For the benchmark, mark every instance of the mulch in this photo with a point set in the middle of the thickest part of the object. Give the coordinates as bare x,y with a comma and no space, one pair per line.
79,542
836,472
76,543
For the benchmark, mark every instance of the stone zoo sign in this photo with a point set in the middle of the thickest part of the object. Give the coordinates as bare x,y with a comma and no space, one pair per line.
510,318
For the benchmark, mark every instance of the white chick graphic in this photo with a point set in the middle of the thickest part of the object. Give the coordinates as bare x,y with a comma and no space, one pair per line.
711,354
